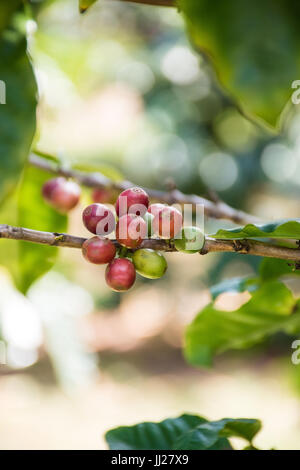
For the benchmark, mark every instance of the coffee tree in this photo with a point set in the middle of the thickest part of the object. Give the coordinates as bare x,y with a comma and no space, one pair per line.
131,226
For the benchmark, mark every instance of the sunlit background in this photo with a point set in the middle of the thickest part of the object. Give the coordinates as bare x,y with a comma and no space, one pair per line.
122,91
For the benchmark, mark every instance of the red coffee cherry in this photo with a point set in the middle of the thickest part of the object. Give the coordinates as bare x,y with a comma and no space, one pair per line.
49,187
99,219
120,274
167,223
154,209
132,201
99,250
61,194
103,195
131,230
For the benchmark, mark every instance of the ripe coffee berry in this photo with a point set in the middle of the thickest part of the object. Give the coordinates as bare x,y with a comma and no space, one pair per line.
61,194
132,201
154,209
98,219
104,196
99,250
120,274
131,230
167,223
149,263
190,240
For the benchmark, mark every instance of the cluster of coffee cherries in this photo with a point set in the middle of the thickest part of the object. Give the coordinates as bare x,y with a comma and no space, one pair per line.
133,221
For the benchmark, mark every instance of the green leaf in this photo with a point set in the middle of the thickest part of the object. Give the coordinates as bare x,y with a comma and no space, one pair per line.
207,435
244,428
85,4
271,308
17,116
34,260
247,43
151,436
186,432
203,437
282,229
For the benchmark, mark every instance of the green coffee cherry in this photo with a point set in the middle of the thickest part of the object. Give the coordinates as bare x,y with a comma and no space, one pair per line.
191,240
149,263
148,218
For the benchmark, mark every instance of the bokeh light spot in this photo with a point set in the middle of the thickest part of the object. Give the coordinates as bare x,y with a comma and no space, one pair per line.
218,170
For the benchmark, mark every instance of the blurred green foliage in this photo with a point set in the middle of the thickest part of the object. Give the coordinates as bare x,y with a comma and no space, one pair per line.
7,9
272,308
17,116
254,47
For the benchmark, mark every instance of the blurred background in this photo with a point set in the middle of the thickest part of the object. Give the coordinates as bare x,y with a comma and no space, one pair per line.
122,91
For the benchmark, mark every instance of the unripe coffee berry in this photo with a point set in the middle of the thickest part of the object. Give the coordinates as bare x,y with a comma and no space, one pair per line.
131,230
61,194
132,201
120,274
190,240
99,250
149,263
167,223
148,218
154,209
99,219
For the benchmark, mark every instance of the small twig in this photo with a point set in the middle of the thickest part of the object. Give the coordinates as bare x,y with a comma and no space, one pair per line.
217,210
213,196
211,245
